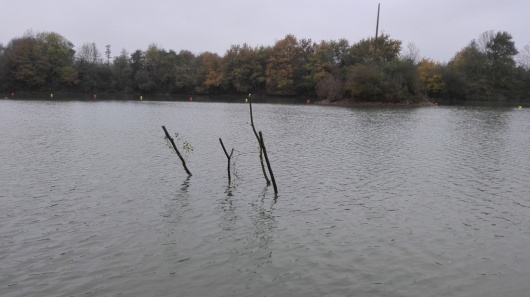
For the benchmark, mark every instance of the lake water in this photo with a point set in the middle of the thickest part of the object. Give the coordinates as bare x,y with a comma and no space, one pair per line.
430,201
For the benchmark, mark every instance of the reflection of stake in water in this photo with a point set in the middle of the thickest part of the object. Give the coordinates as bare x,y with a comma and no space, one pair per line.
185,185
261,237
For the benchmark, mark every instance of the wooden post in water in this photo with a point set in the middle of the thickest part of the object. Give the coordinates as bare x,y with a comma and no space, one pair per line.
176,150
262,144
228,157
259,142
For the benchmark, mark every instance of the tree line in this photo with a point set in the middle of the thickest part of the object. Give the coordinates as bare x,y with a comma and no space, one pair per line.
382,70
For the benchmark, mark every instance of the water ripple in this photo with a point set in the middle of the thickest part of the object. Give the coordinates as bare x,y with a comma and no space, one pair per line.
372,201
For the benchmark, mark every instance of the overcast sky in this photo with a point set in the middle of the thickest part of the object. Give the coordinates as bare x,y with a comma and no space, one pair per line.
438,28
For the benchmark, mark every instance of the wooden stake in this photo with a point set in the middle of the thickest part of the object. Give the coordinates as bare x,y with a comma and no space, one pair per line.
262,144
257,138
176,150
229,157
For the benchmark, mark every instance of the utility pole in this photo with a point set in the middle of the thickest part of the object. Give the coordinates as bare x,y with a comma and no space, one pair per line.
376,30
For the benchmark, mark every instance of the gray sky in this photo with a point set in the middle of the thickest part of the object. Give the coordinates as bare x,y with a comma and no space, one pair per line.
438,28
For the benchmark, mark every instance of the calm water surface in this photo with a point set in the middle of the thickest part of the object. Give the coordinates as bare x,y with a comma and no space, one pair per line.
372,201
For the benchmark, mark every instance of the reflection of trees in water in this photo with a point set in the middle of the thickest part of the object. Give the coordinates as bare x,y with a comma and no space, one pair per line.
250,243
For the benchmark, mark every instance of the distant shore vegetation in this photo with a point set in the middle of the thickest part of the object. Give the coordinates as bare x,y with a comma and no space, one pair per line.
489,68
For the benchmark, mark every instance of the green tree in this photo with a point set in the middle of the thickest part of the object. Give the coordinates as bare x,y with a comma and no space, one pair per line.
484,69
401,81
185,72
325,68
57,58
121,72
142,80
466,70
369,50
168,71
240,67
161,67
244,68
364,83
3,69
500,53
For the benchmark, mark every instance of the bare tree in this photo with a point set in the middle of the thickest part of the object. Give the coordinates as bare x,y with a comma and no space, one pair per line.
523,58
411,53
485,39
89,53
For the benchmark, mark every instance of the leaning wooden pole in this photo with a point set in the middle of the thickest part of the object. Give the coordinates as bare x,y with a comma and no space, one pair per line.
262,144
176,150
376,30
257,138
228,157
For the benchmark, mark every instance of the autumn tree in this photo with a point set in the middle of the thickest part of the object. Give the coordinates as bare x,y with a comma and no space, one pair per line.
40,61
430,77
280,67
210,74
24,70
286,71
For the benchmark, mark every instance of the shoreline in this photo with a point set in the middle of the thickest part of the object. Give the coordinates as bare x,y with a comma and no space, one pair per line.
348,102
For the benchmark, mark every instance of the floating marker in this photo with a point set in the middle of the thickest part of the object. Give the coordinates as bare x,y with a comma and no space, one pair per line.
94,97
51,95
520,107
308,101
191,99
246,100
141,97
